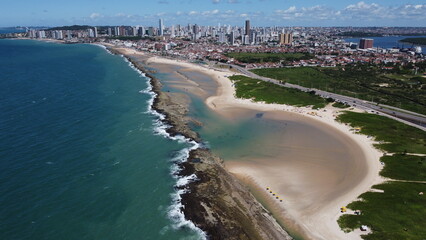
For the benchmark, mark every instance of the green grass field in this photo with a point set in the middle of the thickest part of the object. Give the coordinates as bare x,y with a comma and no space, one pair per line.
368,83
396,214
258,90
267,57
396,136
399,211
404,167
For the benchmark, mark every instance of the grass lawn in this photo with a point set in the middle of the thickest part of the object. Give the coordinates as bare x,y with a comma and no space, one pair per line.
368,83
399,211
303,76
258,90
404,167
396,214
396,137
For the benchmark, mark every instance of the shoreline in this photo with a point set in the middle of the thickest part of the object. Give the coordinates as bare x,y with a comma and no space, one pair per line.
327,217
216,201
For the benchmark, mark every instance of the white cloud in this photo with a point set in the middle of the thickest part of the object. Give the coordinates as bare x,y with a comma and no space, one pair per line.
215,1
95,15
208,13
307,13
360,13
374,11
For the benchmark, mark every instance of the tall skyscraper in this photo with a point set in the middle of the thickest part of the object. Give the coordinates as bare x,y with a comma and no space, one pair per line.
222,37
232,38
286,38
95,32
172,31
247,27
195,29
150,31
365,43
109,32
90,33
161,27
141,31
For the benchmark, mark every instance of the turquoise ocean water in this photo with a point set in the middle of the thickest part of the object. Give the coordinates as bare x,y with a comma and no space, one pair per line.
81,157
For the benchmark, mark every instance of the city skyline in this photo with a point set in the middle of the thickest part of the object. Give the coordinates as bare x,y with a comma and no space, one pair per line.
213,12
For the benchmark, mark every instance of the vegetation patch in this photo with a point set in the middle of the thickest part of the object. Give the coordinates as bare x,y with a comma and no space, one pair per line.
72,28
395,137
397,209
258,90
340,105
398,86
404,167
420,41
394,214
268,57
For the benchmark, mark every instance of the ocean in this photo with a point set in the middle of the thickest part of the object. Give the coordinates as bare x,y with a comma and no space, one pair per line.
11,30
82,155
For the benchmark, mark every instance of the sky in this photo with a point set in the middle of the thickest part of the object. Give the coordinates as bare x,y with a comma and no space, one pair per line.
411,13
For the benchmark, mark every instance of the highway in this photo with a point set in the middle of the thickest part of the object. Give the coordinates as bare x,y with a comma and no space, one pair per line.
413,119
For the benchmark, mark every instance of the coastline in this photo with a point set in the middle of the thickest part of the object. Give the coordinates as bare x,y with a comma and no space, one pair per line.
312,225
192,165
215,201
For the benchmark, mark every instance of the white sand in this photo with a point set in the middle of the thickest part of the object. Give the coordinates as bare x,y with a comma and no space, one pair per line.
320,223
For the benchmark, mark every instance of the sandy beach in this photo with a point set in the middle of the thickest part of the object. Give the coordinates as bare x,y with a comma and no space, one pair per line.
323,166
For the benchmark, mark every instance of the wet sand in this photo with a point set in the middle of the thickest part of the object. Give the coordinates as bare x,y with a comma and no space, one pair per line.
313,164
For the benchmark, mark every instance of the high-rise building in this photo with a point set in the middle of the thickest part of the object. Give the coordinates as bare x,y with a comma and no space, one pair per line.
245,39
252,37
222,37
41,34
117,31
232,38
172,31
141,31
247,27
123,31
151,31
286,38
90,33
134,31
95,31
109,32
195,29
365,43
160,27
59,34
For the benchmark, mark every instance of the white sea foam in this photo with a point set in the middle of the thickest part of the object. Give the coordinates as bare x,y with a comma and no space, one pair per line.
160,127
102,46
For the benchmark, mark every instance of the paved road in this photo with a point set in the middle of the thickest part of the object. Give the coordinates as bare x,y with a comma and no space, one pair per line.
407,117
